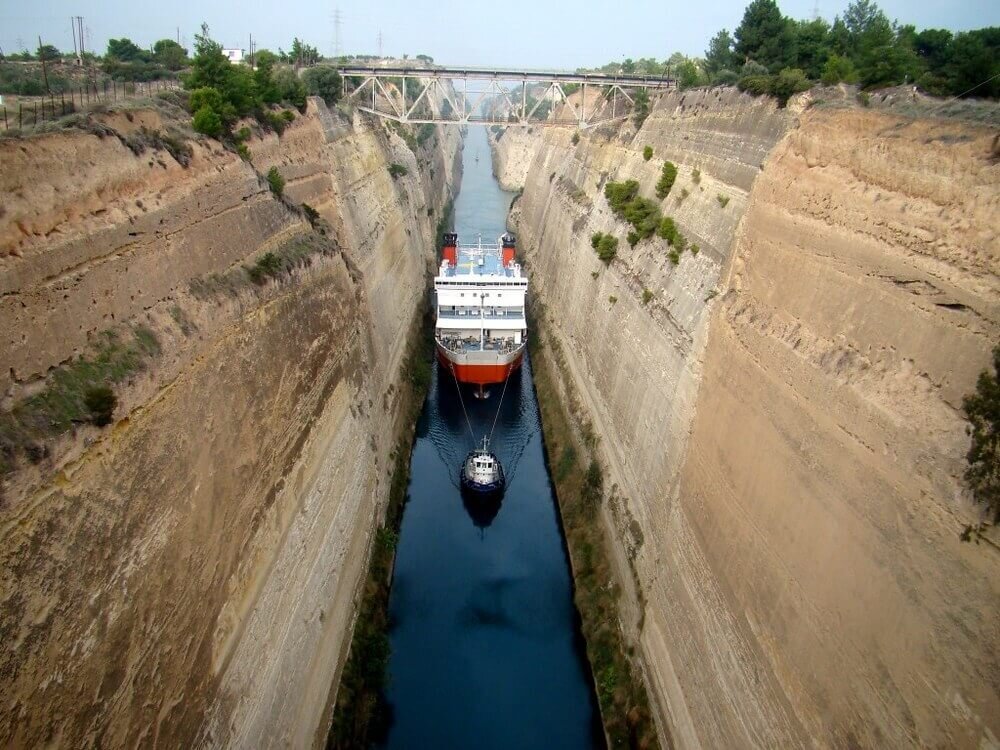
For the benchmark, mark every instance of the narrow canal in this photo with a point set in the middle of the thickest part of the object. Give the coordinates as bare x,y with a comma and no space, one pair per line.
486,649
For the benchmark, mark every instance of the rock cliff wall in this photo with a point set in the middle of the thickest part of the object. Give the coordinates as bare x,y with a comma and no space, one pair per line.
186,576
781,419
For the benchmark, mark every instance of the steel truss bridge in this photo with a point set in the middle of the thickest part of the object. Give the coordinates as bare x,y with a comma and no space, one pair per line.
507,94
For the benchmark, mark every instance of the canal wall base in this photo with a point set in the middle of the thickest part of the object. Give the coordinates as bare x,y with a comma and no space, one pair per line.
187,575
778,417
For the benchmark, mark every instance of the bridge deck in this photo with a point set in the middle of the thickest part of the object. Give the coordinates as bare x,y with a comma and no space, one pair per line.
510,74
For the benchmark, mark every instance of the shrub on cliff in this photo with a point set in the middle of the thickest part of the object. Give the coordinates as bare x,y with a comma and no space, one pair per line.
100,402
207,122
982,409
667,230
267,265
620,193
606,246
323,82
641,111
275,181
788,82
838,70
642,213
647,153
667,177
397,170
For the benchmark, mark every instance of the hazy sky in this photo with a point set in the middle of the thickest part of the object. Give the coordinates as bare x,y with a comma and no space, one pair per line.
528,33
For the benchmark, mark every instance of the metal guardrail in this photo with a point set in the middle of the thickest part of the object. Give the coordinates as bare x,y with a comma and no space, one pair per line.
510,74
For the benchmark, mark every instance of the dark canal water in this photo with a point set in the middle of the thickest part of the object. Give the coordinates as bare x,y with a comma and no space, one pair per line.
486,650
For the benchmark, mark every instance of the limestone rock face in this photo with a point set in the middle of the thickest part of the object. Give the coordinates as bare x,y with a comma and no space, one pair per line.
187,576
782,419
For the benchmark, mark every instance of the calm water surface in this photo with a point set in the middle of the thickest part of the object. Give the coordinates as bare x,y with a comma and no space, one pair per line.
486,651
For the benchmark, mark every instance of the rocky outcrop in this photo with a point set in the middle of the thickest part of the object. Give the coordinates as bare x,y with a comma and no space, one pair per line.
781,417
187,575
512,161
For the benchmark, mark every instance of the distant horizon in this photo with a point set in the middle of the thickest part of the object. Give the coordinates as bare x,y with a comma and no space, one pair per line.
452,33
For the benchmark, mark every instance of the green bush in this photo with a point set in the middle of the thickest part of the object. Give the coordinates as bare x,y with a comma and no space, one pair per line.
641,107
397,170
619,194
982,409
633,238
787,83
696,176
642,213
313,215
325,83
667,230
647,153
606,246
724,78
208,122
723,199
667,177
288,115
757,85
675,257
838,69
100,402
275,181
646,296
243,151
576,138
864,99
267,265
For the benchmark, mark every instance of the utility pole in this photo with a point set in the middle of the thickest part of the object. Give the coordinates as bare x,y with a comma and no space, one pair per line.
45,74
76,53
178,34
380,42
251,51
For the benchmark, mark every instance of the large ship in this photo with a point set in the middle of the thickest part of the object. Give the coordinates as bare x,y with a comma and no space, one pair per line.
481,330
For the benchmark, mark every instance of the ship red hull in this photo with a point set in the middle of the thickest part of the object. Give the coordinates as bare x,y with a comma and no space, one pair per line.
480,374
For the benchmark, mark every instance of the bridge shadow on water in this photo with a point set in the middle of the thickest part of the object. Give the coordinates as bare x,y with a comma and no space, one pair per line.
485,639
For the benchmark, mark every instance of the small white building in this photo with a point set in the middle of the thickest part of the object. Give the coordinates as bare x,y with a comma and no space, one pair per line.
233,55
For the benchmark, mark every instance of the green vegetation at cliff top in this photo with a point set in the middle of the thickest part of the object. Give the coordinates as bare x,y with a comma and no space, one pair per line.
781,55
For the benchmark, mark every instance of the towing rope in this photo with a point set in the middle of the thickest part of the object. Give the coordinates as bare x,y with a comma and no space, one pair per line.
462,402
507,378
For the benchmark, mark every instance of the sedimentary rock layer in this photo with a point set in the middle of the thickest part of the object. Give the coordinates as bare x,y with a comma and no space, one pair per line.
186,576
782,417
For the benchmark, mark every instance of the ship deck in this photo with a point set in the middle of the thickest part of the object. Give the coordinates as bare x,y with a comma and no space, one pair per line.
468,262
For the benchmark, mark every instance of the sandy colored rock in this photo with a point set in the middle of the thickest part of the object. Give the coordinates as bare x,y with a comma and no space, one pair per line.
187,576
782,420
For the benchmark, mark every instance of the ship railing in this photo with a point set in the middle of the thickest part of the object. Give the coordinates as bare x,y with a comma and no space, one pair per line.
461,345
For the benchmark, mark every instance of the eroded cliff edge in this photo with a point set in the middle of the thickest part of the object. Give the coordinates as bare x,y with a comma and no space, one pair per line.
782,418
186,576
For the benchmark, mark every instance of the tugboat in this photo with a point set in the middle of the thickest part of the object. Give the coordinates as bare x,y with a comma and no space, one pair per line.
481,472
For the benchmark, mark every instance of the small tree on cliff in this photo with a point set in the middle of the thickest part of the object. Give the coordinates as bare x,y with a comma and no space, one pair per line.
983,411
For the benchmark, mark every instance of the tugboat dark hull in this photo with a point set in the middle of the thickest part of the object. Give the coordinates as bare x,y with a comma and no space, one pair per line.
493,489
